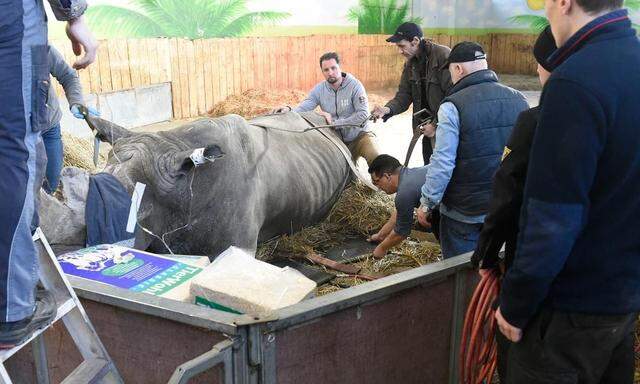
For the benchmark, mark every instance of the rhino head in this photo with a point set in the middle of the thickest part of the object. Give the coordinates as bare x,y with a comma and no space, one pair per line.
166,164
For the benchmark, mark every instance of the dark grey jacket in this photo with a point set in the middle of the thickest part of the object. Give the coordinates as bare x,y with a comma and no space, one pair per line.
423,70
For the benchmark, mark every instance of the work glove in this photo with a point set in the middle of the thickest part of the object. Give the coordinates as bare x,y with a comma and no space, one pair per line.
75,111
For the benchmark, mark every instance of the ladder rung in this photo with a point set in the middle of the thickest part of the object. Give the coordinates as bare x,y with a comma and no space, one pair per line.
63,309
89,371
97,365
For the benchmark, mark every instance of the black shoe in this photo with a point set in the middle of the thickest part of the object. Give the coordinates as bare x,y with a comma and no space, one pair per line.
17,332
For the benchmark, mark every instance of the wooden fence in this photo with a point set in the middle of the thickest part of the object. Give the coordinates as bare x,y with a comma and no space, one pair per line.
204,72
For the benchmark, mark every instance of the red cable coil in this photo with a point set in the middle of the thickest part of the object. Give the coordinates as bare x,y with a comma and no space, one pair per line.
478,349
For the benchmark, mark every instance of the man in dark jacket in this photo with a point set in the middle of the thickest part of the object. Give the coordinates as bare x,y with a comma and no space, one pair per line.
474,122
424,82
574,286
501,224
500,227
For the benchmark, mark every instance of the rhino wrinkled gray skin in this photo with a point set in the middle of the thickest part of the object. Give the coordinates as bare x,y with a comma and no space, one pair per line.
269,180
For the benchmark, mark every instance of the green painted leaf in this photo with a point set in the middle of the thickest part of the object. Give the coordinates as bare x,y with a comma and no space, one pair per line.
534,22
193,19
380,16
121,22
634,5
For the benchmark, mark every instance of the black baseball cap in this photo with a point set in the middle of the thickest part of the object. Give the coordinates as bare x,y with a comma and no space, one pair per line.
465,52
406,31
543,48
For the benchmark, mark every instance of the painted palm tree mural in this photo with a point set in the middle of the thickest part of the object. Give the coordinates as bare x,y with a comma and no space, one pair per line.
192,19
380,16
537,23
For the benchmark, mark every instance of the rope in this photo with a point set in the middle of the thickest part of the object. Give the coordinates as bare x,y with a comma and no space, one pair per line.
361,125
478,349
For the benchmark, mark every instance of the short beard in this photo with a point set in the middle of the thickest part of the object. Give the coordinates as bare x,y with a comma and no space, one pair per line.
332,80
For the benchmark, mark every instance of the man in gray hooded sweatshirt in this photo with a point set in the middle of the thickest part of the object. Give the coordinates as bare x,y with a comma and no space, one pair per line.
343,102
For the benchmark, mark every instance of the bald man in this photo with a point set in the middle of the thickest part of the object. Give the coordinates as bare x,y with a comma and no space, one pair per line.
474,121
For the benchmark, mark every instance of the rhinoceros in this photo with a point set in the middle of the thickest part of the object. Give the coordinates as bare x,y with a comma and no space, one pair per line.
264,177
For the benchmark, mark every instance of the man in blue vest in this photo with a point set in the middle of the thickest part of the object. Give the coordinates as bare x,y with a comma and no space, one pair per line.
475,120
569,302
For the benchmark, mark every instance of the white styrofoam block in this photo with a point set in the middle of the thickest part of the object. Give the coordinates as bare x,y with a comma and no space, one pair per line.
238,281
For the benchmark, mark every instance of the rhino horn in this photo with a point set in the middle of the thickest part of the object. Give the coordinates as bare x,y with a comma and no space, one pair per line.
105,130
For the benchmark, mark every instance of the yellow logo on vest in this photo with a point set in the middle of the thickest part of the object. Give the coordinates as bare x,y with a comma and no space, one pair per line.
506,153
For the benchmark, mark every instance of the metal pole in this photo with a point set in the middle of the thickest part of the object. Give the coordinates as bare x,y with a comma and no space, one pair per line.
219,354
40,358
456,325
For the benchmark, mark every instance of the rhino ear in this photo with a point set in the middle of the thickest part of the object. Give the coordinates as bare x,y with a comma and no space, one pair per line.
105,130
186,160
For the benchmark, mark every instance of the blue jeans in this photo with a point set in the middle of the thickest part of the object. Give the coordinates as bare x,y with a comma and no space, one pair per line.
24,83
457,237
53,144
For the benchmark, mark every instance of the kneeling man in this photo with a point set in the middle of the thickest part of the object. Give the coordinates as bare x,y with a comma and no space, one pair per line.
390,176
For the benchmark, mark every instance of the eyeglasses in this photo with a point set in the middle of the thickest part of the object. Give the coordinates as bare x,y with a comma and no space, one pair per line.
376,180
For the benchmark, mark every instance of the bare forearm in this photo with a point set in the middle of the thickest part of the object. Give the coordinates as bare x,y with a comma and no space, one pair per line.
388,226
391,241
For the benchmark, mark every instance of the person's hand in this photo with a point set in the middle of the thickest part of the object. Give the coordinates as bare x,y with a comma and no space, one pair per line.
75,111
512,333
428,129
483,272
379,112
82,38
422,217
375,238
379,252
281,109
327,117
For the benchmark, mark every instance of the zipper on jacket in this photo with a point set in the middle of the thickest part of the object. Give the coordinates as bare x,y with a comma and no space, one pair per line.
336,99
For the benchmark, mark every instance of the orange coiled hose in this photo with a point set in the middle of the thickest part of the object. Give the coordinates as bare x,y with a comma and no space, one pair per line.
478,349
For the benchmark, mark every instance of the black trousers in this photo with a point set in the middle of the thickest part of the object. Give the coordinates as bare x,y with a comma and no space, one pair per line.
571,348
427,151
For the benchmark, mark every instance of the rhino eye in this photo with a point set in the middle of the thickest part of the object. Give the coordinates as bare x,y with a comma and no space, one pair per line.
121,157
124,154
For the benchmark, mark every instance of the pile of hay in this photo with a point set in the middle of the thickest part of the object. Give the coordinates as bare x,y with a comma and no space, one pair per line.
408,255
318,239
359,212
79,153
254,102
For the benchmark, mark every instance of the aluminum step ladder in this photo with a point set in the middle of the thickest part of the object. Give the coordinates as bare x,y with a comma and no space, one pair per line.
97,366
